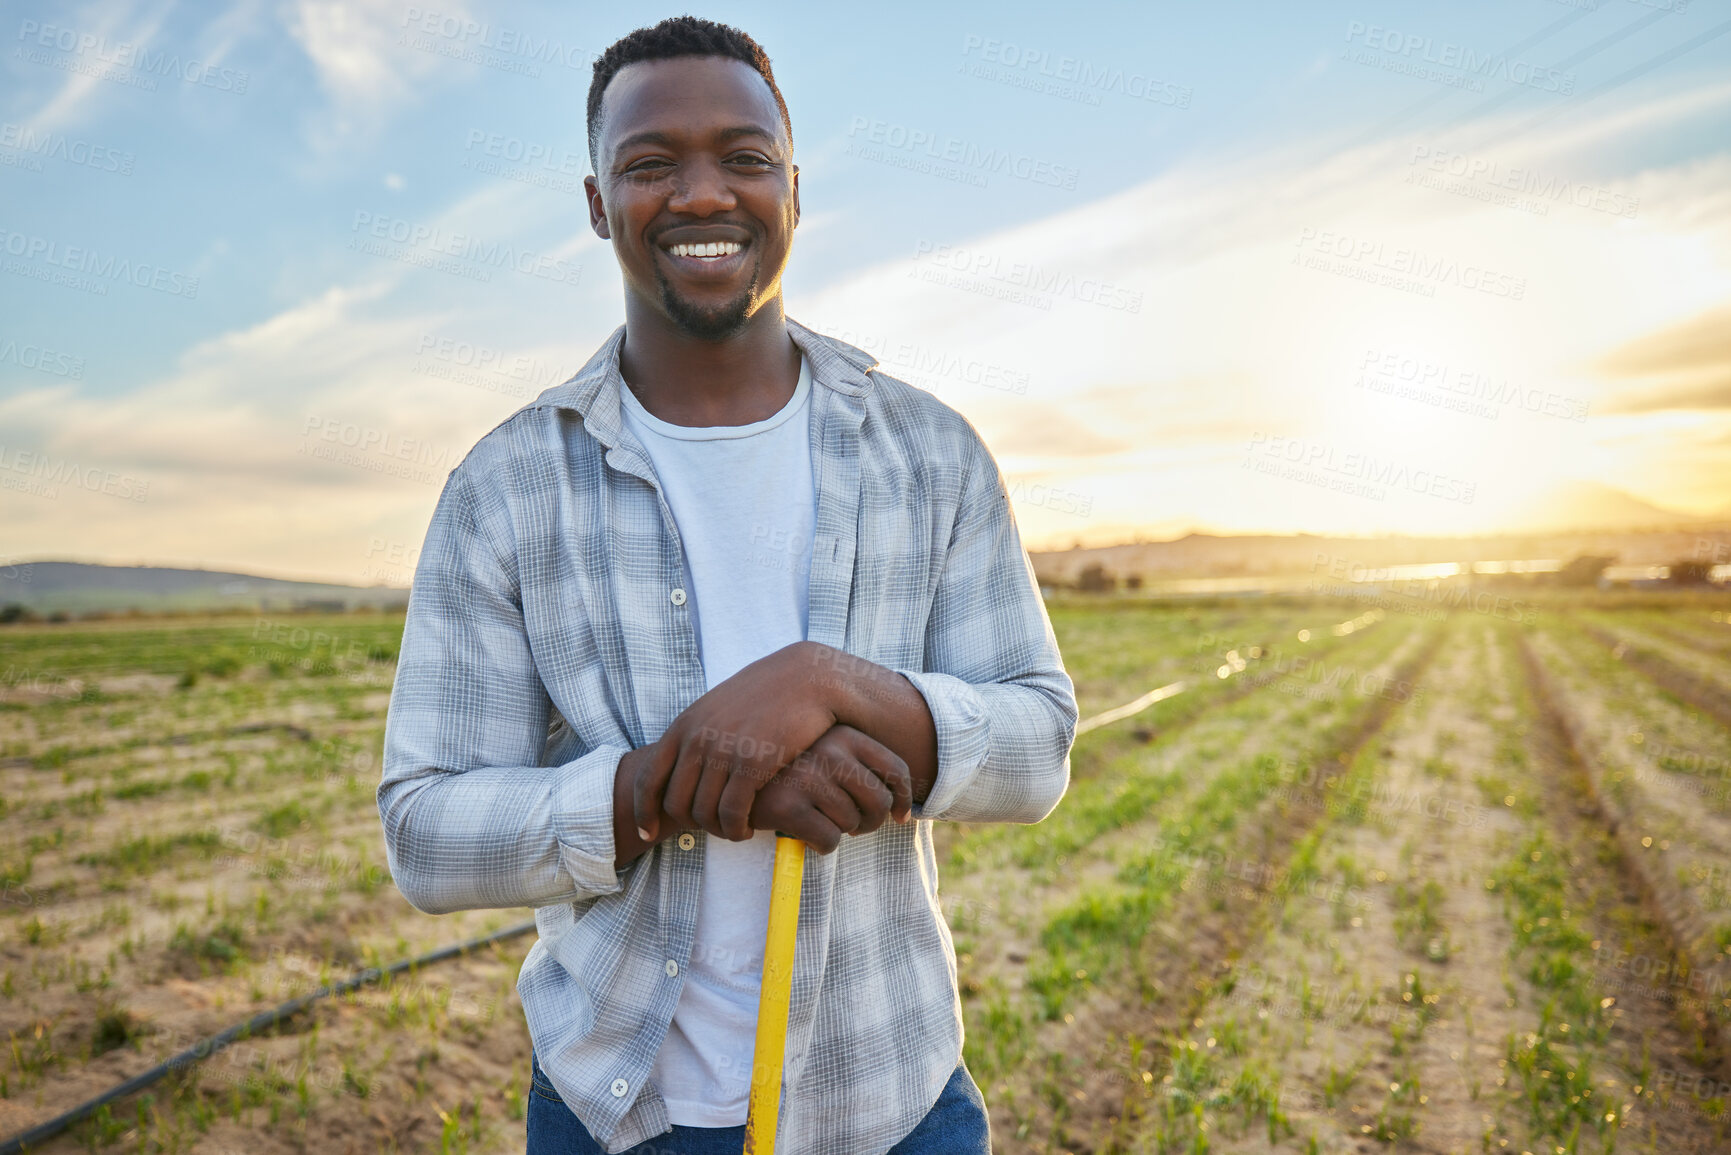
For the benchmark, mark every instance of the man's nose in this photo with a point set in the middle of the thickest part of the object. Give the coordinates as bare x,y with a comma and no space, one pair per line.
702,190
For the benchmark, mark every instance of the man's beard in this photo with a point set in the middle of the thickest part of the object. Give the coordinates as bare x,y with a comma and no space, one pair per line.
713,324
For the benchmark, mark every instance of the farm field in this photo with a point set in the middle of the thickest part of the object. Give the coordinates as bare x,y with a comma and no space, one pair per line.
1365,880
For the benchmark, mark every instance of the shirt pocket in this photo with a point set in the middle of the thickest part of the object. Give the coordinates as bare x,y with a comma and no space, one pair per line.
894,575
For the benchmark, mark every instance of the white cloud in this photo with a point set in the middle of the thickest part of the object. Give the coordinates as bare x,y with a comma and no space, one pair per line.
1141,416
354,46
1233,339
113,24
223,439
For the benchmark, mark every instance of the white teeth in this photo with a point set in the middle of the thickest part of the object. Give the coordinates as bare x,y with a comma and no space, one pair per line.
711,249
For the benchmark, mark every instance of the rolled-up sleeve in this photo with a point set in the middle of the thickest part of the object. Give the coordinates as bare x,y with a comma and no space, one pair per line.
1002,705
471,817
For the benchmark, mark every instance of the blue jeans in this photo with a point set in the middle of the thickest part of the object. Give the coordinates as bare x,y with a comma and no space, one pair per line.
956,1125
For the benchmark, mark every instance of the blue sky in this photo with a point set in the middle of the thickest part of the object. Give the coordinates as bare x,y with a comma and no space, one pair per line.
1329,267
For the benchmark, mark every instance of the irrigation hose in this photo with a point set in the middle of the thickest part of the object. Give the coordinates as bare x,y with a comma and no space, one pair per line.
204,1048
1129,709
1136,706
775,993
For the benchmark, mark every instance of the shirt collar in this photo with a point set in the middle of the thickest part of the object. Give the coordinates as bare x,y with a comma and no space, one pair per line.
595,389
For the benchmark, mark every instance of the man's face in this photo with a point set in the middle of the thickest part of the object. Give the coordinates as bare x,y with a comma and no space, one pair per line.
696,189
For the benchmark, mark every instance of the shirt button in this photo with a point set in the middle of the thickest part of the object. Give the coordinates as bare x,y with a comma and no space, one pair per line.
678,597
686,842
620,1086
672,968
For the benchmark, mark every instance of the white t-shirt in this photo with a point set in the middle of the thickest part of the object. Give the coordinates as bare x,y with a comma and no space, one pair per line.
745,504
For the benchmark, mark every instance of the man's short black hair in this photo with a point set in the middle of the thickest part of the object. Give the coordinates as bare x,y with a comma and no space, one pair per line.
677,36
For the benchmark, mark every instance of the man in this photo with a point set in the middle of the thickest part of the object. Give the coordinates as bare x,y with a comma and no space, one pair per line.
728,580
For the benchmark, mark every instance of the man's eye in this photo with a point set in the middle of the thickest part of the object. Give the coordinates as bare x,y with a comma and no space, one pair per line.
750,158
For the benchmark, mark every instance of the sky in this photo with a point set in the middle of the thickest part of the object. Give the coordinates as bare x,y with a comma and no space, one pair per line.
269,269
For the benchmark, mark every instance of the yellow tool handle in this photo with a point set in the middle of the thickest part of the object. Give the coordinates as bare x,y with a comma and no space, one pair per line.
775,993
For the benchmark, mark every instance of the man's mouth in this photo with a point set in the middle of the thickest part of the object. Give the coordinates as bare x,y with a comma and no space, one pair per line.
711,251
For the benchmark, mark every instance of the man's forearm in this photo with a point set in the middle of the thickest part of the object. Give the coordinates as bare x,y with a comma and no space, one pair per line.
880,702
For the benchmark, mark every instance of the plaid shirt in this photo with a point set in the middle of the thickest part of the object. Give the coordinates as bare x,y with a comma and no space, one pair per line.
548,634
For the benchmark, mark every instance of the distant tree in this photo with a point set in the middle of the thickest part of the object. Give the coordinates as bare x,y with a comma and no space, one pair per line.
1133,582
1691,573
12,612
1583,571
1095,580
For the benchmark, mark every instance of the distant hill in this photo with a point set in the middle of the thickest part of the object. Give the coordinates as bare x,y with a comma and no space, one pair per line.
45,587
1585,506
1200,555
1558,522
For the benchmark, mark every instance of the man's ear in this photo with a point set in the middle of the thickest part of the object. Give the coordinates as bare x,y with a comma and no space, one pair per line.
597,211
796,196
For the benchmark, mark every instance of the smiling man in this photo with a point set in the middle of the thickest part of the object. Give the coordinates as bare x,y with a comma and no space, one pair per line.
726,581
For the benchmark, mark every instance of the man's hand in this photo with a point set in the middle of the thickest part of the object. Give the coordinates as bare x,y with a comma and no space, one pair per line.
846,783
723,748
628,840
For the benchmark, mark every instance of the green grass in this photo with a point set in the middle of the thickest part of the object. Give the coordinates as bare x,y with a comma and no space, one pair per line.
215,648
148,853
1554,950
1096,936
